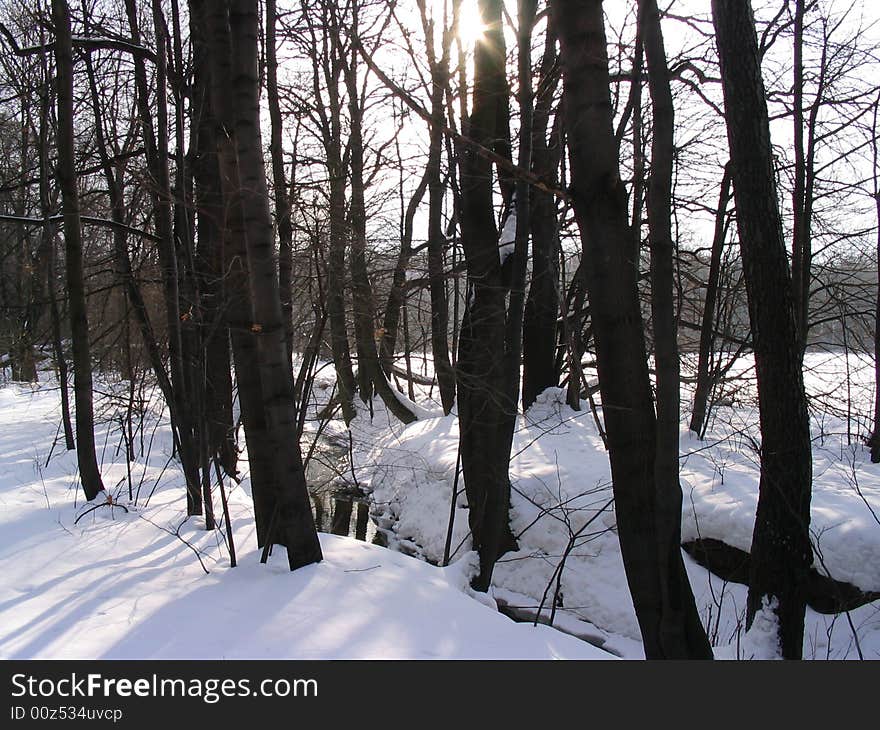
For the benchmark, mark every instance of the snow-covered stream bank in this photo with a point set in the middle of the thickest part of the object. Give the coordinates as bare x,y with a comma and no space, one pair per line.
148,583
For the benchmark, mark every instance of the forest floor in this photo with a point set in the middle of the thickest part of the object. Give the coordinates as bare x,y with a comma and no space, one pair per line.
140,580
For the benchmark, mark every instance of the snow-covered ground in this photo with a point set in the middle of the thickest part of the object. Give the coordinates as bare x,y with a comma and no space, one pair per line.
563,517
148,583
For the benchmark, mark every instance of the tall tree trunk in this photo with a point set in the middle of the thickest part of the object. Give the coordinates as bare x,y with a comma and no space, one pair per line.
799,239
439,67
28,278
781,550
707,325
659,593
874,441
681,630
210,263
284,498
522,208
396,302
279,180
184,229
542,304
90,475
48,245
485,404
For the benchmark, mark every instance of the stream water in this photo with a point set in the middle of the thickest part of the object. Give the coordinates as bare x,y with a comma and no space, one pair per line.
339,504
341,507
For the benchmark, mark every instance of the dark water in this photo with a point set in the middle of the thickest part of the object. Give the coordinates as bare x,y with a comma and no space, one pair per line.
339,504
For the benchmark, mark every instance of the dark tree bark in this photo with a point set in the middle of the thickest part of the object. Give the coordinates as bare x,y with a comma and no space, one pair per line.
279,180
804,175
707,326
232,257
396,302
800,245
436,193
542,304
29,279
155,138
874,440
210,263
680,627
57,345
486,406
659,586
90,475
781,550
280,478
48,245
522,207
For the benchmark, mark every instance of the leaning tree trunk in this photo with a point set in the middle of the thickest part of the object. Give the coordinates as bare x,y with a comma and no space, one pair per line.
707,326
371,377
781,550
661,595
90,476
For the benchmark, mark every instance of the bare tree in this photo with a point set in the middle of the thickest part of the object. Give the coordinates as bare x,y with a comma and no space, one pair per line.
669,622
781,550
90,475
280,496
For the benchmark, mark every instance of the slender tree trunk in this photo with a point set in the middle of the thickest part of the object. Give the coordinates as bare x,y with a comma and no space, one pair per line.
513,336
336,280
279,179
156,143
707,326
90,475
542,304
48,245
659,592
330,66
28,278
874,441
396,301
370,374
799,242
436,195
681,630
781,550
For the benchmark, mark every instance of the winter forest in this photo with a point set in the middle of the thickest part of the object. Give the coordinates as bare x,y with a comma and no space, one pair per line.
479,329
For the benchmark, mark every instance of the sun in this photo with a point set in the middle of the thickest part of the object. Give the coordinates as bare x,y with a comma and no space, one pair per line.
471,27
